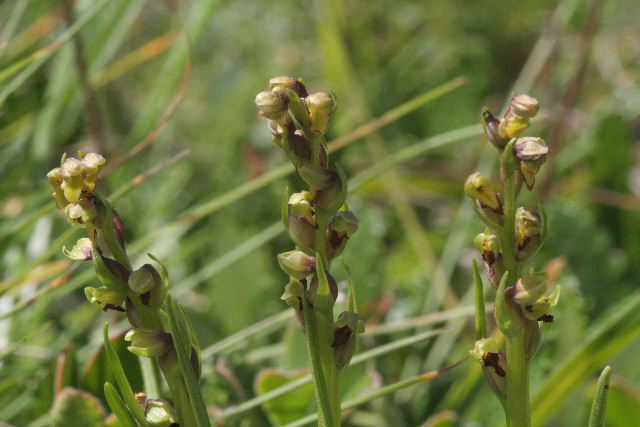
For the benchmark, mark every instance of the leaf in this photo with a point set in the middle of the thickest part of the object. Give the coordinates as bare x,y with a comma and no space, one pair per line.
121,379
290,407
97,371
74,407
623,404
119,408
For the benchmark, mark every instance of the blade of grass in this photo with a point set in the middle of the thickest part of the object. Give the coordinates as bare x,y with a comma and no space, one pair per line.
612,334
381,392
7,351
599,407
38,60
289,387
11,24
264,326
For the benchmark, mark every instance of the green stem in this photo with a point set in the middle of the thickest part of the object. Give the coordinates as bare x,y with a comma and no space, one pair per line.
319,378
518,412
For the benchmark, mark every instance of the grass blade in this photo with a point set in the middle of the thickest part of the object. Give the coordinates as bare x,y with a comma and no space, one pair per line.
599,408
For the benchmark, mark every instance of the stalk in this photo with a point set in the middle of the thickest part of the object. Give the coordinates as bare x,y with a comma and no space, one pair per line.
320,225
161,331
513,235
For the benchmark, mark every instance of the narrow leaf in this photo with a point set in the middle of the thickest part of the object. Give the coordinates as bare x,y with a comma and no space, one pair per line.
599,407
118,407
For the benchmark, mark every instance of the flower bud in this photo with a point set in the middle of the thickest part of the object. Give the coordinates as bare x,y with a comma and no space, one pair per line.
71,172
300,205
92,162
148,342
516,119
144,279
528,228
495,270
531,153
347,326
272,106
345,222
529,288
81,251
298,148
159,413
110,272
490,125
494,364
489,245
297,264
540,309
343,226
478,187
329,200
524,106
55,178
81,213
321,106
103,296
287,82
312,290
483,346
293,294
316,176
532,337
302,233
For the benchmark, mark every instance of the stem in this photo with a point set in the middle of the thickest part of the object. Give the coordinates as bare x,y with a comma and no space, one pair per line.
518,412
319,379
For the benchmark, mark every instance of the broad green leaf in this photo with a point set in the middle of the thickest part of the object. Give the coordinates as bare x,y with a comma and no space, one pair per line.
290,407
624,404
73,407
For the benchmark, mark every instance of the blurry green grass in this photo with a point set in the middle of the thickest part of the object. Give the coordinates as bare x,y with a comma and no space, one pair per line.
375,56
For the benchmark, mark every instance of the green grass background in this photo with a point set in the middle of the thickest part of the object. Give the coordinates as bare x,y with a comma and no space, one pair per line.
184,74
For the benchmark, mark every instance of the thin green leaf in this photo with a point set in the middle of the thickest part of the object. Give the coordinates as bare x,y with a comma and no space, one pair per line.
599,407
384,391
182,341
481,320
118,407
359,358
121,379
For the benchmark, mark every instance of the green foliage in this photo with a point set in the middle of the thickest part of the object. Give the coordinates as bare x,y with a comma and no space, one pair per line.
210,215
72,405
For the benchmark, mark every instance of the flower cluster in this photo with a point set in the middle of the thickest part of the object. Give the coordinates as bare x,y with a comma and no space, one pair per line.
74,182
140,293
317,218
513,235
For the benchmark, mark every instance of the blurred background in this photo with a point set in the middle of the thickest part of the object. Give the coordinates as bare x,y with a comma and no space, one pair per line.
165,89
